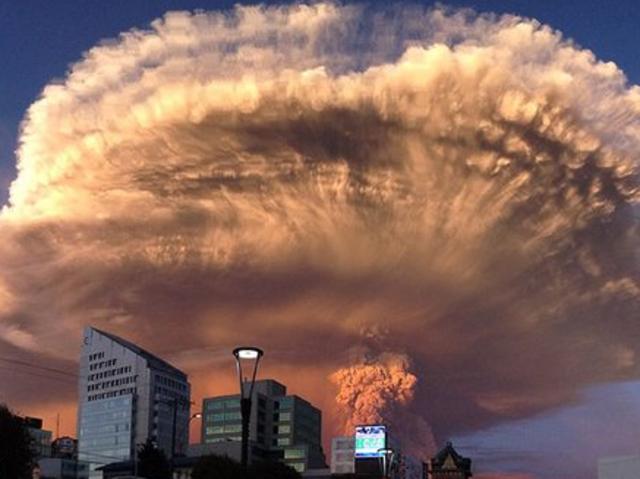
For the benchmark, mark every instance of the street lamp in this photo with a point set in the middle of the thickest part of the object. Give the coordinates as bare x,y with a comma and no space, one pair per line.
250,356
386,456
196,415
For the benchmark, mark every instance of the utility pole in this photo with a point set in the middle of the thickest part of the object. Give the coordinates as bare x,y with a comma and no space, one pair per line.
173,431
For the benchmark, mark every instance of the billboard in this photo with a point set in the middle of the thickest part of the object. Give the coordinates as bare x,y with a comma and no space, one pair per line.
369,439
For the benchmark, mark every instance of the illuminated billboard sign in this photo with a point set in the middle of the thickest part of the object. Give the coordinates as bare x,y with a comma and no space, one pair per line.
369,439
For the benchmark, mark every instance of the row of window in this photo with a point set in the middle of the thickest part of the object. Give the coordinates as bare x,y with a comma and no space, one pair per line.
210,440
111,372
93,357
160,390
222,404
171,383
283,416
102,364
111,394
112,383
222,429
219,417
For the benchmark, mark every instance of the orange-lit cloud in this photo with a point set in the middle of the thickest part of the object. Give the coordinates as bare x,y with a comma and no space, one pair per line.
459,190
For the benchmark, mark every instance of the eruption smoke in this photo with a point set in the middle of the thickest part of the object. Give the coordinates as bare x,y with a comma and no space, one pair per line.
376,390
466,183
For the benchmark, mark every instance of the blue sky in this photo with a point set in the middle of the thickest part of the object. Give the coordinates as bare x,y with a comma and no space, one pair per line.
604,422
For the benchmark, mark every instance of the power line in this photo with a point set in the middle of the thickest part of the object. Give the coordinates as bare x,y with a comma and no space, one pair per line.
35,366
32,373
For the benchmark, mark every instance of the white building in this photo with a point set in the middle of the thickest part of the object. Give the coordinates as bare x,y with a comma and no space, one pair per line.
624,467
126,396
342,455
343,459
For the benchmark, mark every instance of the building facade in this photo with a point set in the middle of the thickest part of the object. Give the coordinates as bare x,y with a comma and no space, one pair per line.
40,438
126,396
61,468
350,455
448,464
343,455
283,427
65,447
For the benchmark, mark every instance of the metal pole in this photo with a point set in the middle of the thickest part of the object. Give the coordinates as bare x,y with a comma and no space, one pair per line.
173,434
173,431
245,410
135,460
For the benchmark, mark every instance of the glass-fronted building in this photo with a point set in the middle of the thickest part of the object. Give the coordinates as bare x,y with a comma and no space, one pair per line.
126,396
283,427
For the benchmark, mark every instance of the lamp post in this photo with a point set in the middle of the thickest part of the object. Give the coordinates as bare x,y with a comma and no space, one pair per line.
196,415
386,456
249,355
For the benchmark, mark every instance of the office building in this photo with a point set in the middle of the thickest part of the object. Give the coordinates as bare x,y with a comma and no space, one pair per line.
126,396
283,427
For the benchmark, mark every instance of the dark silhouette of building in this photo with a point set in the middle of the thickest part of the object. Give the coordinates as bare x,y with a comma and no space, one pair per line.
283,427
448,464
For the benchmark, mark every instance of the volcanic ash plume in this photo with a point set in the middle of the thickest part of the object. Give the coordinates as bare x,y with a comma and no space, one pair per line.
294,175
378,390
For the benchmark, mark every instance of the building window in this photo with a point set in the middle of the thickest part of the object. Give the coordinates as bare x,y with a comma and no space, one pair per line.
294,453
232,404
285,416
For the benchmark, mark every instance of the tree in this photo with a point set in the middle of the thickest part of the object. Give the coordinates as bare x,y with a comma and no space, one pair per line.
272,470
223,467
217,467
152,462
16,455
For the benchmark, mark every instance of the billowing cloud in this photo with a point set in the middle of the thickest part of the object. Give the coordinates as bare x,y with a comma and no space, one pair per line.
464,186
377,390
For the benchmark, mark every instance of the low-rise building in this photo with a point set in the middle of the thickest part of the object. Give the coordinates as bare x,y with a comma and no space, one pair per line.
448,464
343,454
40,438
282,427
62,468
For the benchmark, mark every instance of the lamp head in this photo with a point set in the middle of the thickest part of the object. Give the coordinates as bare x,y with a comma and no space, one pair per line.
247,352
